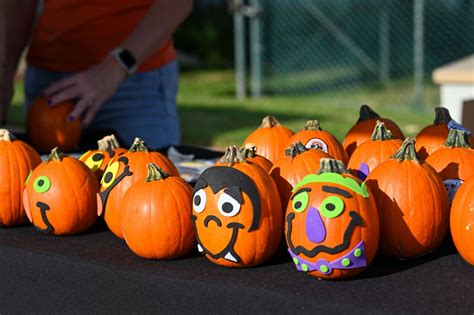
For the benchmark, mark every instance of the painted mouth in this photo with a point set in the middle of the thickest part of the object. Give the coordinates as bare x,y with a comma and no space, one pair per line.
356,220
43,208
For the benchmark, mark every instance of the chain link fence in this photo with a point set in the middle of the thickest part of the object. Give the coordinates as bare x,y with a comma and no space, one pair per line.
311,46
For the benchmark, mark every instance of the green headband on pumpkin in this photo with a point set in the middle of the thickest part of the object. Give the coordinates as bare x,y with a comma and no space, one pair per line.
334,178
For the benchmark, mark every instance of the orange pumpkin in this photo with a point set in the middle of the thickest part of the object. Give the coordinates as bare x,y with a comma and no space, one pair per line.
120,174
362,130
237,213
17,160
313,137
97,160
412,202
47,126
454,161
332,224
155,219
59,197
271,138
462,220
368,155
297,163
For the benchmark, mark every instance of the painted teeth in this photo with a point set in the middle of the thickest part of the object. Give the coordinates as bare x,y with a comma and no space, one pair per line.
200,248
230,257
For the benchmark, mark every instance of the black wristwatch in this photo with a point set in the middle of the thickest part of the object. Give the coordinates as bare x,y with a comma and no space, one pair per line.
125,59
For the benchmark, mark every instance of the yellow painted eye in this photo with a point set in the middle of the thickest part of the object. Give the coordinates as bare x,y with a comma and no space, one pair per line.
110,174
94,162
42,184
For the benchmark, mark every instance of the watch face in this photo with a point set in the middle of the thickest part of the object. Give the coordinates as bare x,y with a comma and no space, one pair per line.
127,58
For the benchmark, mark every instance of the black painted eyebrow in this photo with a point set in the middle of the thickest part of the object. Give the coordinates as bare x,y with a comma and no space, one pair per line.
234,192
123,159
335,190
300,191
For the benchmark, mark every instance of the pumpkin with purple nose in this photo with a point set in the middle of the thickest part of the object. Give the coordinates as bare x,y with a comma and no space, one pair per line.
332,225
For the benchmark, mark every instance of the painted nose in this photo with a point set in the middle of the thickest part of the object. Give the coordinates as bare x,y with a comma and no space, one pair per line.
315,229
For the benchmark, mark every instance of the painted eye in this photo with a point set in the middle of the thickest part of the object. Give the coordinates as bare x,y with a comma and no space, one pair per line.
110,174
95,161
28,178
42,184
300,201
228,206
316,143
332,207
199,201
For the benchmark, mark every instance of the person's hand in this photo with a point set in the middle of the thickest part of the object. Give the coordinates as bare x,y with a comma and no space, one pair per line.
91,88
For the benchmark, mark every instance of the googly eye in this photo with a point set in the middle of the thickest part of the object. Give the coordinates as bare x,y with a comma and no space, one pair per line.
317,143
228,206
199,201
110,174
42,184
332,207
300,201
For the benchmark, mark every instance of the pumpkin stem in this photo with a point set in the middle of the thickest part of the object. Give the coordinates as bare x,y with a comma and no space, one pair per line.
232,155
248,151
407,151
312,125
366,113
442,116
5,135
327,165
381,132
295,149
108,143
155,173
56,155
269,121
457,139
138,145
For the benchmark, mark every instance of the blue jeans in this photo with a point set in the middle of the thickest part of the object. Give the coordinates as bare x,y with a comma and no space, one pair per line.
144,105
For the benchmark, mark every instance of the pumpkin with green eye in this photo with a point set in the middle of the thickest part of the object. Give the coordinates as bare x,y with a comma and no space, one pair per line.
17,159
120,174
332,224
60,196
97,160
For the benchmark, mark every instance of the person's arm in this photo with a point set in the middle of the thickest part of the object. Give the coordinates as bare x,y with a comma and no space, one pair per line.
98,83
17,17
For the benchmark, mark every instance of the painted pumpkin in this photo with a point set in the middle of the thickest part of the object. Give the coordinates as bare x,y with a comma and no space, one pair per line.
454,161
462,220
313,137
432,137
47,126
17,160
120,174
362,130
332,224
97,160
237,213
59,197
297,163
155,219
271,138
412,202
368,155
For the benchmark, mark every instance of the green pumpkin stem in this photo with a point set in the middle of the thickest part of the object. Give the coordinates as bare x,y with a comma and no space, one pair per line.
457,139
155,173
442,116
232,155
327,165
295,149
366,113
108,143
5,135
56,155
248,151
407,151
381,132
312,125
139,145
269,121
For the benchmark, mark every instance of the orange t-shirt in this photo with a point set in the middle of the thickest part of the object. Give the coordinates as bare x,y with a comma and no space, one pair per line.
72,35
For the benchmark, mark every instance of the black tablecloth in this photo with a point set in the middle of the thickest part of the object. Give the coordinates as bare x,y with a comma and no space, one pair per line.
96,272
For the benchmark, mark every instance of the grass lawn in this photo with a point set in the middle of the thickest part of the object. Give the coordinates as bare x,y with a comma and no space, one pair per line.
211,116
